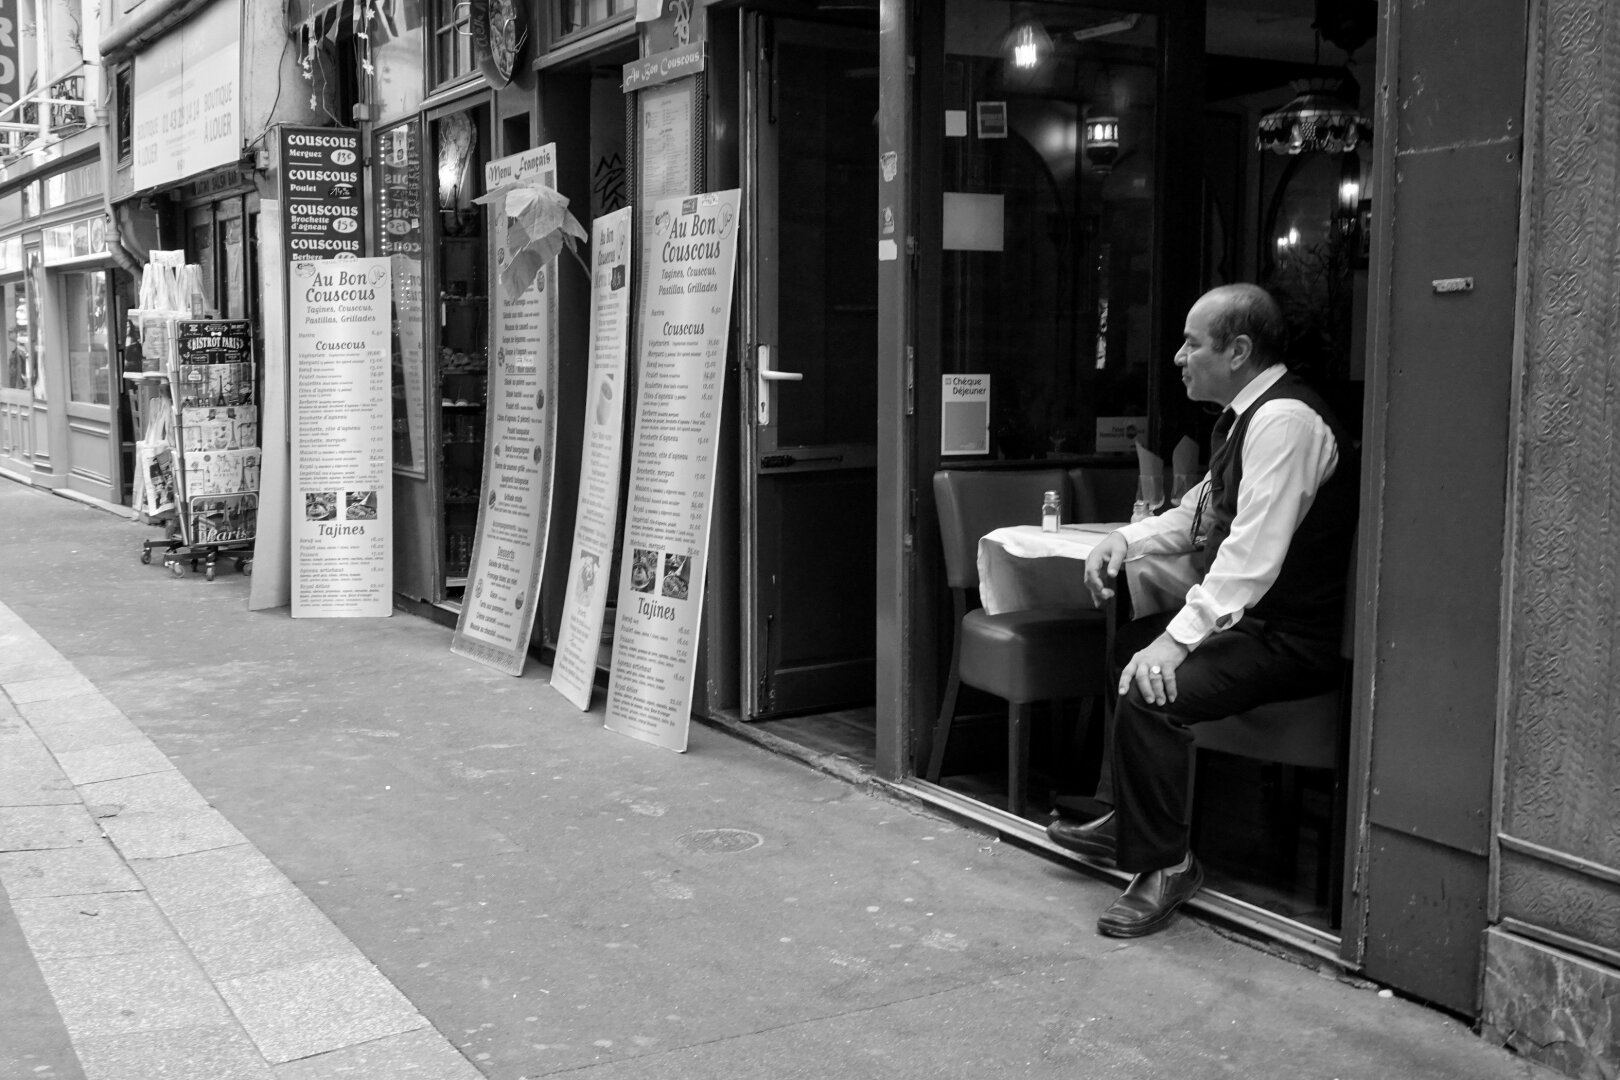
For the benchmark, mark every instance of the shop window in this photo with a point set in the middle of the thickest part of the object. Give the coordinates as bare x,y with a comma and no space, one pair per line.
88,339
583,14
124,131
1048,171
452,40
17,373
398,227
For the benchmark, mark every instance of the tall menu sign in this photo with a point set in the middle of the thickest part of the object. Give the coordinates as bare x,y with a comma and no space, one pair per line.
509,549
685,319
320,192
573,671
341,476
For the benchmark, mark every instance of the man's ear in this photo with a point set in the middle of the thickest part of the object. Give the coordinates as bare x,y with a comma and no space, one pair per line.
1242,350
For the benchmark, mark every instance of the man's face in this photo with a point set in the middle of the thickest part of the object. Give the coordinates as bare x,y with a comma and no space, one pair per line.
1206,371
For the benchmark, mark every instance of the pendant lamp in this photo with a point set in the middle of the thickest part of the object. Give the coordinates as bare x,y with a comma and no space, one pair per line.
1323,116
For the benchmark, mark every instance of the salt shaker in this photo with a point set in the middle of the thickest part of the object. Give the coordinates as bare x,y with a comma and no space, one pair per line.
1051,512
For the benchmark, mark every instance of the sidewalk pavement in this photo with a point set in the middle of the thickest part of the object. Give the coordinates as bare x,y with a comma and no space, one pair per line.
234,845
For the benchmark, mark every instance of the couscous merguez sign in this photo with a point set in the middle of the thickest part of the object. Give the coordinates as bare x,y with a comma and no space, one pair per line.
320,192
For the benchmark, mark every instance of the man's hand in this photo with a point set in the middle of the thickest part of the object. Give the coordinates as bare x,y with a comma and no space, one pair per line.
1104,563
1154,670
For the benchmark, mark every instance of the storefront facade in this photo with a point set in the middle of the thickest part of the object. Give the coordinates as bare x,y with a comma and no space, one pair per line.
1011,240
60,392
1031,195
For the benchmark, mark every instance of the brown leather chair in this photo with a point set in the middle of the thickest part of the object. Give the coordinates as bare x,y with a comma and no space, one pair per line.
1041,654
1305,733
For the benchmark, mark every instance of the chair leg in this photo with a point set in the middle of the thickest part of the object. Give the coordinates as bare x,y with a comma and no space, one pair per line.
935,749
1018,758
942,725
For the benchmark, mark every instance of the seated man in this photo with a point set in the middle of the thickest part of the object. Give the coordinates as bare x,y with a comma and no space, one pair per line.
1269,530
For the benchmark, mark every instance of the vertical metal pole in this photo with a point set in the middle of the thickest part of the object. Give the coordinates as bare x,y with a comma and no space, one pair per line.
895,366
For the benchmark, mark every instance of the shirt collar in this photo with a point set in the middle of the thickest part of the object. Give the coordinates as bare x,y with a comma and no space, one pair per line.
1256,386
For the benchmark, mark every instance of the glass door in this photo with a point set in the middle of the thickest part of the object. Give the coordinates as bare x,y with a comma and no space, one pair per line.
811,288
92,438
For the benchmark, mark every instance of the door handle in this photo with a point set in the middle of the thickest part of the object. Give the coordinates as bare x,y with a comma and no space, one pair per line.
767,376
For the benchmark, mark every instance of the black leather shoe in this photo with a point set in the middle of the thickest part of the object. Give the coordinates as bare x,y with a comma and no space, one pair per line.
1094,839
1149,901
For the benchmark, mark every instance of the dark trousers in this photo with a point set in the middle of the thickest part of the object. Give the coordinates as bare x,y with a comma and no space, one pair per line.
1151,748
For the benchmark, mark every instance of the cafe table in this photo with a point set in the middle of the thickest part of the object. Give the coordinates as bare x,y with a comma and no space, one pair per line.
1023,566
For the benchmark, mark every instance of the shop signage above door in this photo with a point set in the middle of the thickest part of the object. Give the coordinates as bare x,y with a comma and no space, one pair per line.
320,192
187,99
663,67
9,55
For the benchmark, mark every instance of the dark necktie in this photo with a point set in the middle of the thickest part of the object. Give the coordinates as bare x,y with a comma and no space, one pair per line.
1217,469
1217,438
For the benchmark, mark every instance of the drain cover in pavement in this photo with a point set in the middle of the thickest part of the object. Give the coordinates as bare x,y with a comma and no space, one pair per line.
720,841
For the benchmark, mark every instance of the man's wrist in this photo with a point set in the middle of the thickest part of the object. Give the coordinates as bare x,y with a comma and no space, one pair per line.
1182,647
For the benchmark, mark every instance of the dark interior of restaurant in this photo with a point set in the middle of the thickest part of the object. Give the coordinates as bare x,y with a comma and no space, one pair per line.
1053,243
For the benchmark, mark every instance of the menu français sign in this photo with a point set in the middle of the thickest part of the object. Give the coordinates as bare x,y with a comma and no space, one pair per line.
514,511
685,324
320,188
573,671
342,490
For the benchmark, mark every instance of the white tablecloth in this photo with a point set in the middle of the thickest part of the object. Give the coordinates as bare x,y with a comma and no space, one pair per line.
1021,566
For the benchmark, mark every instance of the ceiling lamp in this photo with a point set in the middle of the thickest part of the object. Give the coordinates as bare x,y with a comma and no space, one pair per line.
1030,44
1324,116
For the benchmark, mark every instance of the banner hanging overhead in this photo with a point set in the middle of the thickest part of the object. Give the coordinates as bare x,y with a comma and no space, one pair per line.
342,475
529,224
685,323
573,671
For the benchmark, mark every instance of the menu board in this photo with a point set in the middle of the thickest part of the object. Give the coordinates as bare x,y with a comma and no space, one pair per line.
573,670
681,353
341,477
320,188
514,511
664,160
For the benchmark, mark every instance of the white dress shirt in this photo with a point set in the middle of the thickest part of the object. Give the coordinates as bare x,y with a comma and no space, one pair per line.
1288,453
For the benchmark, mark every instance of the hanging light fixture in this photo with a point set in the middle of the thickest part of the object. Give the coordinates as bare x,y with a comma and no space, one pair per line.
1102,142
1324,116
1030,44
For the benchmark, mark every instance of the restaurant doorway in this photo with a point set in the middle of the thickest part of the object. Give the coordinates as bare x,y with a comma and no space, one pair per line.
810,321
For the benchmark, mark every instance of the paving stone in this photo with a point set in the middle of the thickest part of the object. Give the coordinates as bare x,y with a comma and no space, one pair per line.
33,828
16,667
49,688
126,992
169,832
149,793
113,762
208,878
29,776
307,1009
97,924
416,1055
68,733
78,707
209,1052
88,868
263,932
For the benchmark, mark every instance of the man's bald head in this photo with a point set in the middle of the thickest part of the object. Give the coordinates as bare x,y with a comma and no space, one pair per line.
1249,310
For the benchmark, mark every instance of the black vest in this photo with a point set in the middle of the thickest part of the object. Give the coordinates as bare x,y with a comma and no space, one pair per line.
1308,596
